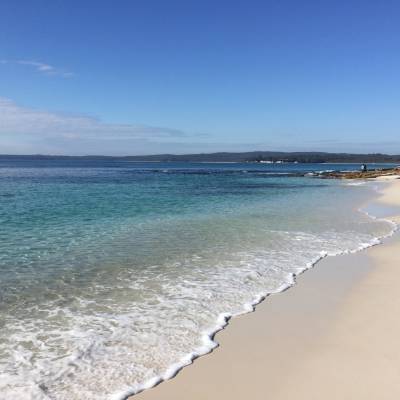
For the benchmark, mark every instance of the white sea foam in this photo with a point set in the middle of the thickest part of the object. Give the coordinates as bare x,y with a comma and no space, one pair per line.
223,319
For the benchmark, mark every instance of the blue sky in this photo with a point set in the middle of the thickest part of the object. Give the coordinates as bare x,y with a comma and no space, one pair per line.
141,77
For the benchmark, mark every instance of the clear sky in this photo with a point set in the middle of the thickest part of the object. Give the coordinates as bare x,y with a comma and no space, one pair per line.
139,77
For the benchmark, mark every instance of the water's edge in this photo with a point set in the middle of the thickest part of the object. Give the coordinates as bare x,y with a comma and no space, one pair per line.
209,341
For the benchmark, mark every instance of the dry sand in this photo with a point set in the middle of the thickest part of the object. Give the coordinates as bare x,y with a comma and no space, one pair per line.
335,335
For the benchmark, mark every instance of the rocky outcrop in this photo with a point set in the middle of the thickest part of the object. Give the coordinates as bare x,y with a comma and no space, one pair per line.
376,173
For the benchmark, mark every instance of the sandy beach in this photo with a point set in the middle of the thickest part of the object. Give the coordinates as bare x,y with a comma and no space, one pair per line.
334,335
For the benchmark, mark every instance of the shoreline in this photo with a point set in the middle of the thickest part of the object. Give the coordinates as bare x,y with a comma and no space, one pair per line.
224,351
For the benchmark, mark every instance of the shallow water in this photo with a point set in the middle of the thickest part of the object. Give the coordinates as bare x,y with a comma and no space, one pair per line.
115,274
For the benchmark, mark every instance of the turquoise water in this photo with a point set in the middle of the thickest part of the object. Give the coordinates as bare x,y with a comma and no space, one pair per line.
113,274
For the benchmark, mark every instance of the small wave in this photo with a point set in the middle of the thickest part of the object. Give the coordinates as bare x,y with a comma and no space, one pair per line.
208,338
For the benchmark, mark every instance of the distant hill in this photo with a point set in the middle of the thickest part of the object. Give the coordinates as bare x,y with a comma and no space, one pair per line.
301,157
253,156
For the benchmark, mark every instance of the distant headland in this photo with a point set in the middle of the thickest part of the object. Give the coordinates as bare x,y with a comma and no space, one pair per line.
253,156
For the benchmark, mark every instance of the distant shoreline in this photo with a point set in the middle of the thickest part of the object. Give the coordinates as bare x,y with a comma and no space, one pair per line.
268,157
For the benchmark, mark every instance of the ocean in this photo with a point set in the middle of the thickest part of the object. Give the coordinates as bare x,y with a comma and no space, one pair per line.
115,274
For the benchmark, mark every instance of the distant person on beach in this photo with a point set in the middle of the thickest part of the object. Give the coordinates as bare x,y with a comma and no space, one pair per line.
364,168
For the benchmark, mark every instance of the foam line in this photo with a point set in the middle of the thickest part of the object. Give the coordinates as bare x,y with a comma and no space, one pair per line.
208,338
